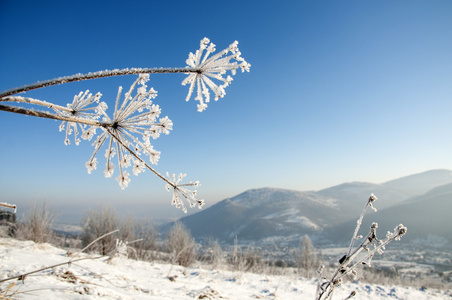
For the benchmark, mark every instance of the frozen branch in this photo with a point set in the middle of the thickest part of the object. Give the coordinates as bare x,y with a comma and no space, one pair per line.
47,115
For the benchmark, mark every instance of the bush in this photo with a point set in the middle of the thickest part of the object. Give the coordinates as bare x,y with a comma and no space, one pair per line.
147,248
37,225
104,220
249,260
181,245
217,256
97,223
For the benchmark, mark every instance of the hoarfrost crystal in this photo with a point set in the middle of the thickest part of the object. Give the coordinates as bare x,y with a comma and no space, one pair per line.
80,108
214,67
132,126
180,190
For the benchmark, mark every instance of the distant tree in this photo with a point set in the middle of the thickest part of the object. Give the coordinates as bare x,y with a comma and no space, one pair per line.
307,257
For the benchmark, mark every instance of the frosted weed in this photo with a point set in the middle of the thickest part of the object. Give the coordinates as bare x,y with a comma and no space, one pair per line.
135,121
348,263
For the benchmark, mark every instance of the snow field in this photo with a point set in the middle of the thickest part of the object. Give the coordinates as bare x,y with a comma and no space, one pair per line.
122,278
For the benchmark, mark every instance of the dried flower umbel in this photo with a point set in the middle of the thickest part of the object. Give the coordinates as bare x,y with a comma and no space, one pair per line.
347,264
136,119
214,67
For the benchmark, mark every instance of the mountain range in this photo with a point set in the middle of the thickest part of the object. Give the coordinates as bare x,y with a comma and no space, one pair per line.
422,202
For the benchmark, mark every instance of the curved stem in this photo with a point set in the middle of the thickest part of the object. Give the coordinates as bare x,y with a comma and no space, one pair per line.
94,75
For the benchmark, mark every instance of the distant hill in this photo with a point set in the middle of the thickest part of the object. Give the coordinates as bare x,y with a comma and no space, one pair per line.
352,197
427,218
419,184
329,215
263,213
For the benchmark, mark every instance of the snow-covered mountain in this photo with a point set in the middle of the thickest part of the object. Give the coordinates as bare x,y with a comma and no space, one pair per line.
262,213
419,184
270,214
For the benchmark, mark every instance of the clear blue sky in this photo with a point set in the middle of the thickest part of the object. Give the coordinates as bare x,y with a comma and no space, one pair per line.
338,91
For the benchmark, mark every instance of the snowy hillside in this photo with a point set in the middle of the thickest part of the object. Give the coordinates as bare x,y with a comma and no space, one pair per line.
264,213
267,215
121,278
425,215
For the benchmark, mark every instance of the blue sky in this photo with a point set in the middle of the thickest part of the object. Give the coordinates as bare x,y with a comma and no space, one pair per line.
338,91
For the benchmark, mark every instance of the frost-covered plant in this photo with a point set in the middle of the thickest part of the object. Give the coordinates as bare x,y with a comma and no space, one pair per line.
126,134
214,67
348,263
37,225
95,224
181,245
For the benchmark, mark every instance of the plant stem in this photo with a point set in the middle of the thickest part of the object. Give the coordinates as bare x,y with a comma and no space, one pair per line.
34,101
94,75
140,159
90,244
42,114
358,225
22,276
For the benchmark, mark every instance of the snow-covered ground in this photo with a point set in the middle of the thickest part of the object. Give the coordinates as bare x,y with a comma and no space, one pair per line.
122,278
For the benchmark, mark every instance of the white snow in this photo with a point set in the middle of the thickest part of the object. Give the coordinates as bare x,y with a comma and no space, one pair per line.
292,215
122,278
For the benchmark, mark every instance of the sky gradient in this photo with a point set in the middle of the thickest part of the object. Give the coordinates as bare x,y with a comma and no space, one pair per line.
338,91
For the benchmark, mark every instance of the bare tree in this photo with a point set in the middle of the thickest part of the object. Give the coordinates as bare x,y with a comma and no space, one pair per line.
307,257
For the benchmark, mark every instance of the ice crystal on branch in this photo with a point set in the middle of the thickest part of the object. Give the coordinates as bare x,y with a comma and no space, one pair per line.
80,108
214,67
179,191
134,122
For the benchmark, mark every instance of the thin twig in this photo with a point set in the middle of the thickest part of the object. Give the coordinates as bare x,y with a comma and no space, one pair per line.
90,244
22,276
372,198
